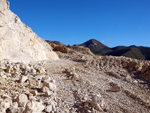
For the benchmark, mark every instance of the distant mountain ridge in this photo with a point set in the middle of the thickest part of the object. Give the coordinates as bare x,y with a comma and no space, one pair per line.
137,52
98,48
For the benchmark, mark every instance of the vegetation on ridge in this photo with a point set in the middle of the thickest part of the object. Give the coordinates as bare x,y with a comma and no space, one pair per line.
136,52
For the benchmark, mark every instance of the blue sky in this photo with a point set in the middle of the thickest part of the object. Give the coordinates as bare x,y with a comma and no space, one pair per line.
112,22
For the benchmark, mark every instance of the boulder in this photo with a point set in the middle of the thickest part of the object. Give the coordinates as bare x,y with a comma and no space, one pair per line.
50,85
114,87
48,108
22,99
47,91
13,108
23,79
7,102
97,102
34,107
34,92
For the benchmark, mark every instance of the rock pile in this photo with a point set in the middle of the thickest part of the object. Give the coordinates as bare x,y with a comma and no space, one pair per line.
30,89
111,64
23,88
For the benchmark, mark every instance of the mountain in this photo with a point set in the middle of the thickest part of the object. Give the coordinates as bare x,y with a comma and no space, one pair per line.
94,45
18,42
136,52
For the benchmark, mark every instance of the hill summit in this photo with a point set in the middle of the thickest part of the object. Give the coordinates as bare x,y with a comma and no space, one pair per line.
94,45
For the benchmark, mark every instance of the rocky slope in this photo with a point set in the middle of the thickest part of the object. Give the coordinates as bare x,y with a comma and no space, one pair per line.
18,42
58,46
77,83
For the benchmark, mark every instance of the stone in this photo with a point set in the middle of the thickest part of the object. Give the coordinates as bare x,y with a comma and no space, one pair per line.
46,78
50,85
31,97
9,68
147,72
147,75
2,110
21,110
48,93
23,79
22,99
13,108
53,107
144,68
114,87
34,92
48,108
7,102
97,102
75,76
33,70
44,88
113,73
34,107
15,96
38,77
41,70
98,99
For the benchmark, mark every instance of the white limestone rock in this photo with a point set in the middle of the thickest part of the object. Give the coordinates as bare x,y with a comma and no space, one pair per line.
97,102
34,107
14,108
23,79
50,85
18,42
22,99
48,108
47,91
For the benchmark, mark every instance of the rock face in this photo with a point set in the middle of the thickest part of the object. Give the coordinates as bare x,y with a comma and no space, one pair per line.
18,42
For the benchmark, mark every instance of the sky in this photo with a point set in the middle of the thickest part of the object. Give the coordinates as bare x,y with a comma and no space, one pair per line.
112,22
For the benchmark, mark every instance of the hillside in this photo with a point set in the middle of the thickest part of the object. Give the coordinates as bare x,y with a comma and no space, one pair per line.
136,52
60,47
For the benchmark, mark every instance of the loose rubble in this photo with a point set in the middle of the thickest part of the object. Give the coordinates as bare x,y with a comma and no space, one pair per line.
104,84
